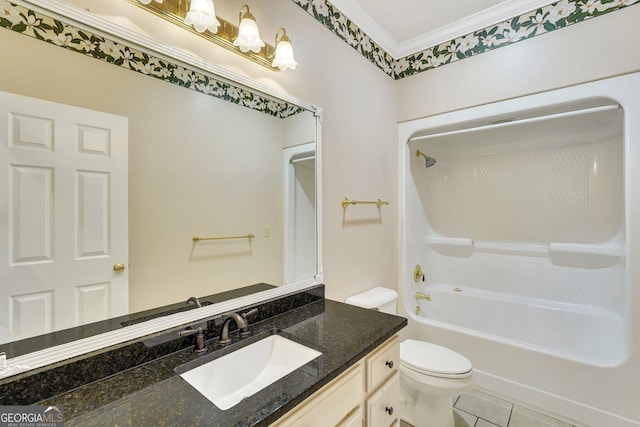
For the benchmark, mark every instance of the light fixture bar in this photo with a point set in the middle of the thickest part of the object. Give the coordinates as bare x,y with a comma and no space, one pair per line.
174,11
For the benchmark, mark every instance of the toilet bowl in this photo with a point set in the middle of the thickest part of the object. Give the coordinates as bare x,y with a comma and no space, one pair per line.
430,375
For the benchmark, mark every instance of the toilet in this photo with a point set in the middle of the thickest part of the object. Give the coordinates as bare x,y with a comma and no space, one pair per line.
430,375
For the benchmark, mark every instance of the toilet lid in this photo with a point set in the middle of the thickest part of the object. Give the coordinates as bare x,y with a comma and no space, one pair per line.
433,359
373,298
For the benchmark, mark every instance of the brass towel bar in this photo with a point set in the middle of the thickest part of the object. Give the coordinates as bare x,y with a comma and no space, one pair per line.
346,202
196,239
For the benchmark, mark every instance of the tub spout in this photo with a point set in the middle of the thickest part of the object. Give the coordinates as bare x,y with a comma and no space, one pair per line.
420,295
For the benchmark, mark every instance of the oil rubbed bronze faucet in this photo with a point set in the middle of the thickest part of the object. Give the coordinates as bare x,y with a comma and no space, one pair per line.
241,323
200,346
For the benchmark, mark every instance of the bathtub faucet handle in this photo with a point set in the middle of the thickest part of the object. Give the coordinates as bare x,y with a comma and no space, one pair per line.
418,275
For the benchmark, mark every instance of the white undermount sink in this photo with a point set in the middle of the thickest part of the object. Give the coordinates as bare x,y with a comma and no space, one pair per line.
229,379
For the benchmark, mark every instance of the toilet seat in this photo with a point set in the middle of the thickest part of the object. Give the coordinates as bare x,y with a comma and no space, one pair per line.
434,360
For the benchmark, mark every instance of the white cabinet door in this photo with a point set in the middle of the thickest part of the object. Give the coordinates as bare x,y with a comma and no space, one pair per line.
63,216
382,406
336,404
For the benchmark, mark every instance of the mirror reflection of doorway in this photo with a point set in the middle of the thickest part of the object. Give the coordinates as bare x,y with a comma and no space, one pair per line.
65,216
300,213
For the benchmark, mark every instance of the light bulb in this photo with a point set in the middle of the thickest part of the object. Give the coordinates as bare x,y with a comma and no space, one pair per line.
248,36
283,57
202,15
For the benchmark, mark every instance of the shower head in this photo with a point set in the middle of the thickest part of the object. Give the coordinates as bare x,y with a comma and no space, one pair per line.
428,161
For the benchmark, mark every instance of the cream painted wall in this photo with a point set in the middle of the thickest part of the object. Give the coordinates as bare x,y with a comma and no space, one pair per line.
299,129
359,109
358,105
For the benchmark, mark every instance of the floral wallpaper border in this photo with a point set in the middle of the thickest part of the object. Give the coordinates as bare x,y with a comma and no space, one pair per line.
534,23
540,21
39,26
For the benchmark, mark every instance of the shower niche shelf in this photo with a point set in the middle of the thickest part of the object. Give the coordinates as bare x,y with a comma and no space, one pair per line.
585,254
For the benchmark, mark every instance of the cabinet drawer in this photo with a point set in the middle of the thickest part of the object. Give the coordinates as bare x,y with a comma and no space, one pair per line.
383,363
354,419
383,405
331,404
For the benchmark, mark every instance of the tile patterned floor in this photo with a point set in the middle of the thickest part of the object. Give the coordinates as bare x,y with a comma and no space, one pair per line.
477,409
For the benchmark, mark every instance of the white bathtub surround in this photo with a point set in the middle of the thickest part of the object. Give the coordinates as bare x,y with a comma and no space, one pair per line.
525,229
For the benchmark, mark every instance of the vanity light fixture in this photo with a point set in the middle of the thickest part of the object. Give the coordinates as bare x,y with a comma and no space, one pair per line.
248,34
283,57
199,17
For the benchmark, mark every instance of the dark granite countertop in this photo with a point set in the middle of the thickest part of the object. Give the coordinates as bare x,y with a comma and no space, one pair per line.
154,394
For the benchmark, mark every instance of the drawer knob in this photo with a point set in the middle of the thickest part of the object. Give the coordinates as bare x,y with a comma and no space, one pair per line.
389,363
389,410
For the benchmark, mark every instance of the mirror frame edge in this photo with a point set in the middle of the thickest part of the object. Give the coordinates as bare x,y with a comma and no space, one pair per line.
76,348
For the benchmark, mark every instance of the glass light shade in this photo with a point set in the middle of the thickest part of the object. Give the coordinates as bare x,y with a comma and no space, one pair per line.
149,1
283,57
202,15
248,36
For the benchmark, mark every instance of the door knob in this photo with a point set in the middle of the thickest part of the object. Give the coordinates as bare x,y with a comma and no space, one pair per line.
118,268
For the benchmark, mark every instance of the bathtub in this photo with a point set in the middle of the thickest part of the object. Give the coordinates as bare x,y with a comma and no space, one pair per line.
526,217
582,333
527,232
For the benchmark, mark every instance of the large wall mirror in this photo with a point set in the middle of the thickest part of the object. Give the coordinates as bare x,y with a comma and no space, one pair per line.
240,178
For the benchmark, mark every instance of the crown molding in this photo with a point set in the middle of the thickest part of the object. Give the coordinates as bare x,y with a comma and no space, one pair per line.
501,12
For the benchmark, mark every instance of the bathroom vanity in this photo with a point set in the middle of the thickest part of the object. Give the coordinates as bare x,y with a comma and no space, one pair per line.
354,378
365,394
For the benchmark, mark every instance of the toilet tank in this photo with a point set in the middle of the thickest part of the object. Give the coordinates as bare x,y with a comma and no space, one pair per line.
380,298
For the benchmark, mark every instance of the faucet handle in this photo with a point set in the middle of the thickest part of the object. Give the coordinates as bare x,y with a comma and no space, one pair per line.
245,331
195,301
251,312
200,346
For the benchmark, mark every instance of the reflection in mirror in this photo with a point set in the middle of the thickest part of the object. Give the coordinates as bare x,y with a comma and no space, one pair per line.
300,212
160,159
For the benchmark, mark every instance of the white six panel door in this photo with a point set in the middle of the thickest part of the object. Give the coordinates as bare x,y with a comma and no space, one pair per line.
63,216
